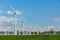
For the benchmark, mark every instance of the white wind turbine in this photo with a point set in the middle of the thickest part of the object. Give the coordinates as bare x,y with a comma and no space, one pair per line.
14,12
22,24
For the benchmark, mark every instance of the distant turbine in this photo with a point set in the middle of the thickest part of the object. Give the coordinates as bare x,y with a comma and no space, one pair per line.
22,25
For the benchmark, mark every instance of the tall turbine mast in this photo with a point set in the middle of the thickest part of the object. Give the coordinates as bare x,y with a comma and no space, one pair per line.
14,19
15,22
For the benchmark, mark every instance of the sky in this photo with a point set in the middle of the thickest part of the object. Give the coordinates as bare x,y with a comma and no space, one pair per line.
36,13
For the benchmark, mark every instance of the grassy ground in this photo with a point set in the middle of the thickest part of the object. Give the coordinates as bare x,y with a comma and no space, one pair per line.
31,37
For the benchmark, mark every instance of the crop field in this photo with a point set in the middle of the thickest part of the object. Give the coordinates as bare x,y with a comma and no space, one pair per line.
30,37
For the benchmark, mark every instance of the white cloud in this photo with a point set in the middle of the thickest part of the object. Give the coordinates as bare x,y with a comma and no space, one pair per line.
6,22
34,28
3,19
50,27
39,28
57,19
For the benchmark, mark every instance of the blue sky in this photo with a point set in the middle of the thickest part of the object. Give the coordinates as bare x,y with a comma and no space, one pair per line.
36,12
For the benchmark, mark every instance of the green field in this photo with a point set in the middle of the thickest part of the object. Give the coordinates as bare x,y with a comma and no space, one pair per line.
30,37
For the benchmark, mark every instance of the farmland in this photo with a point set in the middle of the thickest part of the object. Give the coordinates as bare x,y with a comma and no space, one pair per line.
29,37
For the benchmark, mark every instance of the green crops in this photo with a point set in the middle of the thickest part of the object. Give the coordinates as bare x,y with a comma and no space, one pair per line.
30,37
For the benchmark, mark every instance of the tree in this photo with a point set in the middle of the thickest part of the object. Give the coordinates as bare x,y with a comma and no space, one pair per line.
21,32
35,33
46,32
0,32
32,33
10,32
3,32
58,32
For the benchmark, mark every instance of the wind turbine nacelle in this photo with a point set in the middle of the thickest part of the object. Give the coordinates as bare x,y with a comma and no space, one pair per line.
15,13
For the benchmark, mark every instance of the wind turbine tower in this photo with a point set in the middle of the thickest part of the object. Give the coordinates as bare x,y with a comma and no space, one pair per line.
15,12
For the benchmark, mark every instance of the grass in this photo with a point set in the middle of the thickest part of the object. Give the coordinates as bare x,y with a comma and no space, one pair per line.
30,37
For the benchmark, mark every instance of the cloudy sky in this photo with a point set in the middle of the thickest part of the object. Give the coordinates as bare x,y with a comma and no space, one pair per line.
37,14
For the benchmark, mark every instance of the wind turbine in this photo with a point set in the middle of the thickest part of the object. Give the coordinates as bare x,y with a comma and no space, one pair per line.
15,12
22,24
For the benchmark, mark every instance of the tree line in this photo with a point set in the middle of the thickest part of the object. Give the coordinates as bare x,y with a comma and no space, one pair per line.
30,32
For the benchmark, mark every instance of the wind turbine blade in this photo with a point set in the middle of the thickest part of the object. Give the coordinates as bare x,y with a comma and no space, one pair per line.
12,8
18,12
0,11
